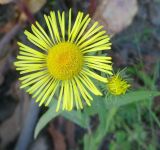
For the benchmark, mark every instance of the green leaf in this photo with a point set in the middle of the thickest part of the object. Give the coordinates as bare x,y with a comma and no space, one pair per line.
77,117
148,81
96,105
129,98
108,117
102,111
46,118
93,140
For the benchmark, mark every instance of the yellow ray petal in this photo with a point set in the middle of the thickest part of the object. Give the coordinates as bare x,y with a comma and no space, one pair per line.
98,48
38,34
65,98
71,96
37,85
83,26
89,84
41,97
60,97
28,49
87,97
78,100
90,32
49,28
33,75
94,75
31,55
29,81
69,23
52,94
44,33
90,43
38,42
42,87
108,71
77,28
74,26
62,24
99,65
53,22
20,57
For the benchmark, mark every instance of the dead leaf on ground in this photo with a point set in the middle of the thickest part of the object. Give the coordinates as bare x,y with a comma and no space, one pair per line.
57,138
116,15
70,134
6,1
3,64
7,27
11,127
29,7
40,144
34,5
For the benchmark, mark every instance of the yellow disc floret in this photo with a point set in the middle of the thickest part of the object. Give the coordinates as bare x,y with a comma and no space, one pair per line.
64,60
116,85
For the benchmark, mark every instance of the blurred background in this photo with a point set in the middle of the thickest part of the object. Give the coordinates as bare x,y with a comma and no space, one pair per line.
134,26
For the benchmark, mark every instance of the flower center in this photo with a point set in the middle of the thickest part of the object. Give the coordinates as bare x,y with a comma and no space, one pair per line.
64,60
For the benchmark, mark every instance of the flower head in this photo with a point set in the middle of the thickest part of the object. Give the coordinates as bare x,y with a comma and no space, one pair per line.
117,85
64,60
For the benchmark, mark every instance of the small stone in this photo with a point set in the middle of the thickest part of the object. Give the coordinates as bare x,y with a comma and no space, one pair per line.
116,15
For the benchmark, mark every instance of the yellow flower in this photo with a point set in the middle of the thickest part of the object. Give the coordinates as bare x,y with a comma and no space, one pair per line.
117,85
64,60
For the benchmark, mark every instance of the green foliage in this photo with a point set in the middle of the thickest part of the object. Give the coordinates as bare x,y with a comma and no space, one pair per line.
93,140
130,98
129,118
77,117
106,110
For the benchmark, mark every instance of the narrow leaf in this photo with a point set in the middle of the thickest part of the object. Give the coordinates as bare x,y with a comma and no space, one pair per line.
130,97
46,118
77,117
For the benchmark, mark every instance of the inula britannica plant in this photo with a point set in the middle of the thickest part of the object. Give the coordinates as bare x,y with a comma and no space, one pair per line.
65,60
65,65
